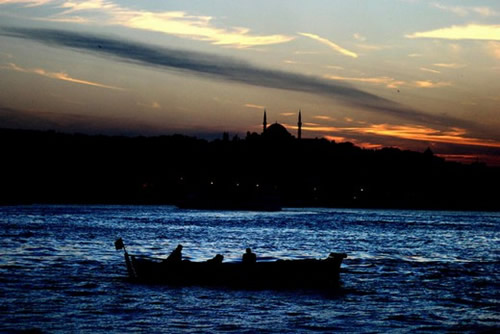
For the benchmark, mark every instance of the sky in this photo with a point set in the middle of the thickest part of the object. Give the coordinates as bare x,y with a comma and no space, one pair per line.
410,74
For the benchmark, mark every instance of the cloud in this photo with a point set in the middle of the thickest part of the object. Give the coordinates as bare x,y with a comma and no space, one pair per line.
197,27
27,3
334,67
431,84
386,81
425,69
5,55
372,47
254,106
423,133
449,65
453,135
494,49
73,19
75,6
177,23
492,160
228,69
457,10
485,11
335,138
359,37
466,10
76,123
330,44
56,75
152,105
306,52
467,32
324,118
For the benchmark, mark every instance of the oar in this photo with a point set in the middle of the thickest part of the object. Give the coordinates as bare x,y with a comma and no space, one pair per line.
130,268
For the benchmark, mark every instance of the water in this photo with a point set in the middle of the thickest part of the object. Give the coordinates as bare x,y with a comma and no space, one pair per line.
407,271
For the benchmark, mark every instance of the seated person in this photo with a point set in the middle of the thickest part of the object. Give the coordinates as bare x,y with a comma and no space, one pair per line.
175,256
249,257
217,259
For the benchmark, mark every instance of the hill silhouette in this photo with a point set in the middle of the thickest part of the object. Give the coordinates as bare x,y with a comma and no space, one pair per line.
51,167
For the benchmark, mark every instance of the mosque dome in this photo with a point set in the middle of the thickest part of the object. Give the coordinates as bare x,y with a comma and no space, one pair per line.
277,131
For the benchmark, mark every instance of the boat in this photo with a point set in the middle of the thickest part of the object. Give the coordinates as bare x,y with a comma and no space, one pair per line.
279,274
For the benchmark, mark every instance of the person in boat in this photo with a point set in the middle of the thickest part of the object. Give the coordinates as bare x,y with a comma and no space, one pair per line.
249,257
175,256
217,259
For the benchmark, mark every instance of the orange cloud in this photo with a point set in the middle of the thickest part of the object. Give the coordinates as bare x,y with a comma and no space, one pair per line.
330,44
431,84
335,138
254,106
410,132
422,133
324,118
369,146
491,160
57,75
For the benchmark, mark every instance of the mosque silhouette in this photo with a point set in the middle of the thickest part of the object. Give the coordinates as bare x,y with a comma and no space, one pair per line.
277,131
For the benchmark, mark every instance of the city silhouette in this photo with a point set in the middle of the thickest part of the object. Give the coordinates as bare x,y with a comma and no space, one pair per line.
263,171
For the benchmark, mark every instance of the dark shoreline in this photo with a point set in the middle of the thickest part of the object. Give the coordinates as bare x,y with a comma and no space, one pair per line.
457,208
56,168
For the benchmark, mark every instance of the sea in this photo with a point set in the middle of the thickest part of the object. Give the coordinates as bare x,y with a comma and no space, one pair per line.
406,271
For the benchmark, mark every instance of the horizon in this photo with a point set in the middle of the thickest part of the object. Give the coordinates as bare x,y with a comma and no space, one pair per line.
403,74
213,137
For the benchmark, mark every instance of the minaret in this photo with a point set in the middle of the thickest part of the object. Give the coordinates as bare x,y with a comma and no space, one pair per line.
299,133
264,125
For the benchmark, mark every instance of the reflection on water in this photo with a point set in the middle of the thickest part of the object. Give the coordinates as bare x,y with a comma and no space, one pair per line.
406,270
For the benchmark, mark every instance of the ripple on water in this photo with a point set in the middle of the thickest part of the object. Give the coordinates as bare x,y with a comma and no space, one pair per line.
407,271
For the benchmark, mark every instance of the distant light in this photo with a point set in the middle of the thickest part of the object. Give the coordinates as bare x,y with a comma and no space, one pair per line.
237,184
257,185
362,189
211,182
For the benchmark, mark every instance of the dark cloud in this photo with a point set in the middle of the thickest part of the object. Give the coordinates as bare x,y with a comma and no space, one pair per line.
93,124
229,69
71,123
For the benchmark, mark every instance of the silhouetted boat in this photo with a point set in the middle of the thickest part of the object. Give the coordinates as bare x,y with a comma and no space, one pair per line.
306,273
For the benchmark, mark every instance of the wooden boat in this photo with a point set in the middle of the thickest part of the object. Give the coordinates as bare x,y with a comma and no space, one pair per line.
304,273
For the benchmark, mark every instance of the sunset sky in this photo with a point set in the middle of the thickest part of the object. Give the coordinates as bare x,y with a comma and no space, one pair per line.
402,73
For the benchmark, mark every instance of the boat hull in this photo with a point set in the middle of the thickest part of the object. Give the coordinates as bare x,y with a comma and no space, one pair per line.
308,273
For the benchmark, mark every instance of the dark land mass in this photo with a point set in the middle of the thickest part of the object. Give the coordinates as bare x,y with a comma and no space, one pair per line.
51,167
